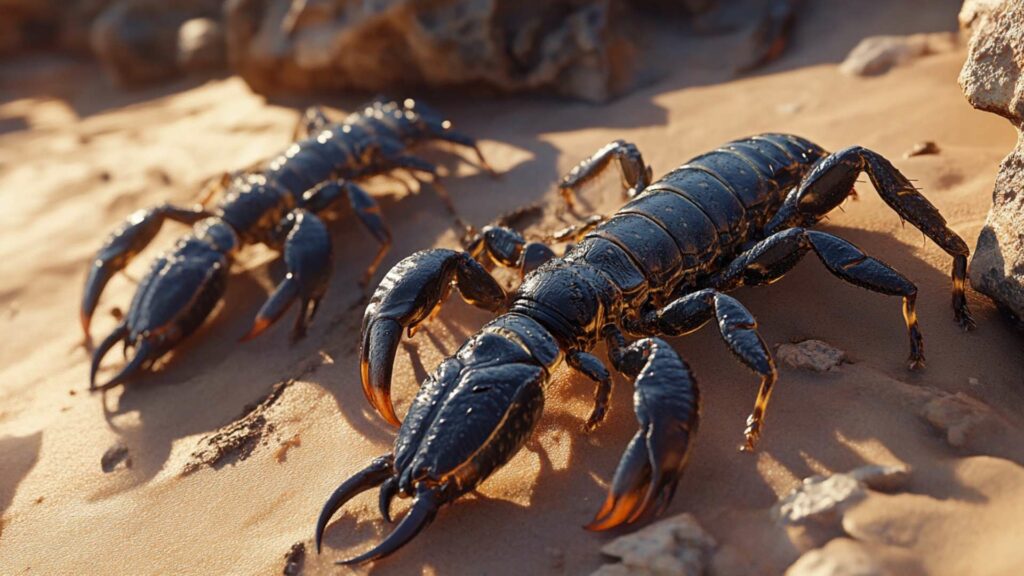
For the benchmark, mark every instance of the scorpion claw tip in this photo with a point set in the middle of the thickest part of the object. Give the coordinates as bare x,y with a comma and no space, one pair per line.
101,351
86,320
616,511
373,475
258,327
376,357
422,513
143,353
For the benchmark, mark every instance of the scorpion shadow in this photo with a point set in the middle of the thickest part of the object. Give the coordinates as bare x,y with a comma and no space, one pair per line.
18,455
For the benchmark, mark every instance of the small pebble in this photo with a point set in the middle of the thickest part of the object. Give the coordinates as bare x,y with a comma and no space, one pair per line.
922,149
116,457
789,108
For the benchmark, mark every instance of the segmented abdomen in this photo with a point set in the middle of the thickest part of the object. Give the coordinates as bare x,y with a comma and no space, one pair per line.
679,227
345,150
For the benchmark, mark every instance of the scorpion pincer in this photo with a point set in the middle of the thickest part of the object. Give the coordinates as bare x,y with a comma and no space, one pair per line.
660,266
278,207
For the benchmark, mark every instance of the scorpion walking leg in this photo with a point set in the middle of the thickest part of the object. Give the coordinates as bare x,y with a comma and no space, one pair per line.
308,256
123,244
469,142
593,368
771,258
636,175
739,330
312,121
831,181
366,209
410,293
506,247
667,405
415,164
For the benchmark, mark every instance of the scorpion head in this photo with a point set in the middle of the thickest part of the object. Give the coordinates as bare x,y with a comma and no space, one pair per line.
469,418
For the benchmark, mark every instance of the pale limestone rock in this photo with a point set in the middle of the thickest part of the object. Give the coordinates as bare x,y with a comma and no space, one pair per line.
840,557
819,500
882,478
878,54
992,81
822,501
676,546
973,13
958,416
811,355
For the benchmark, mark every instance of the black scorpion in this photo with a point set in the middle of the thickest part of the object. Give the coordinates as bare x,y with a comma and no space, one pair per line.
277,206
660,266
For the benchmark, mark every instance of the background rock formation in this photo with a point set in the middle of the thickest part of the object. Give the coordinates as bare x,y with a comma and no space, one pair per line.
992,81
567,46
137,41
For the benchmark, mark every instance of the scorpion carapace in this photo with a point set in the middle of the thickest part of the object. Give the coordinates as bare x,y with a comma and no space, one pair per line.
660,266
276,206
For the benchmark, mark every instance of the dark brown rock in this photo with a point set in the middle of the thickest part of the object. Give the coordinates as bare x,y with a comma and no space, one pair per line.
136,41
567,47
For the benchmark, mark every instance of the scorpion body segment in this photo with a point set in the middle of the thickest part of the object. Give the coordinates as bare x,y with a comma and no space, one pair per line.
277,206
660,266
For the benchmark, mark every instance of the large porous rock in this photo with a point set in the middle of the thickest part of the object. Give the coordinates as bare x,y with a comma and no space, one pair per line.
992,81
973,13
676,546
136,41
46,24
27,24
568,47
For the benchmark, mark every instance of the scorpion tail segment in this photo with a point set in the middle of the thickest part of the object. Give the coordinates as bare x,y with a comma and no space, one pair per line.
113,338
409,294
144,353
373,475
421,514
308,256
667,405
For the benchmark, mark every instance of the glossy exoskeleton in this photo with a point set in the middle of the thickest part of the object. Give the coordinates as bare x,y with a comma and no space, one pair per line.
276,206
660,266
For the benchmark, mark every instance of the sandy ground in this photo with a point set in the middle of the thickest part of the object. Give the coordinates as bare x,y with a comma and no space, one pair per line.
75,161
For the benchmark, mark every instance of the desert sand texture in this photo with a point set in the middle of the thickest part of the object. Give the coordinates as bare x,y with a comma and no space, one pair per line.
220,460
